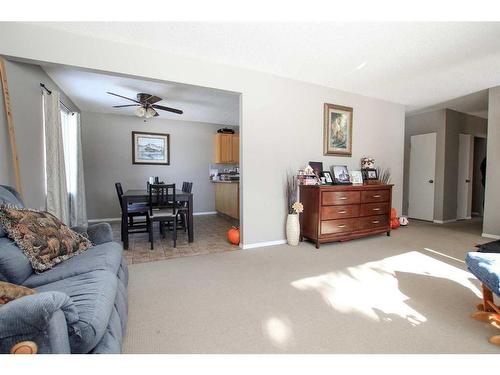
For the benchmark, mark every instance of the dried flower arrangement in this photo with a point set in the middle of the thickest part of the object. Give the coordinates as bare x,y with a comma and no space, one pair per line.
384,175
291,191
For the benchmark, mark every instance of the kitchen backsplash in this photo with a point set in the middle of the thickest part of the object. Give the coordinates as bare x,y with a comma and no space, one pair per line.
215,170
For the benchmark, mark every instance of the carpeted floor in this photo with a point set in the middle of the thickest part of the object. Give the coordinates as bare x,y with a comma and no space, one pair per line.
408,293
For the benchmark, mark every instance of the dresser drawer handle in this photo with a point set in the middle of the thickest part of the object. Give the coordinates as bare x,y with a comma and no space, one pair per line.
343,212
342,226
375,221
377,196
376,209
342,198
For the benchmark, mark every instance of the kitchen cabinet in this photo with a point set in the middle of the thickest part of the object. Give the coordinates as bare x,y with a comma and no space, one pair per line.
227,198
226,148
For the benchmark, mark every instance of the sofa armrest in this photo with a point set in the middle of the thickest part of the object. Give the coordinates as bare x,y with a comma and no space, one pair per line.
48,319
100,233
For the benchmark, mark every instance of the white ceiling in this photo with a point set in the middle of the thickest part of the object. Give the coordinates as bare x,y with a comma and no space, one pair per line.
475,104
416,64
88,91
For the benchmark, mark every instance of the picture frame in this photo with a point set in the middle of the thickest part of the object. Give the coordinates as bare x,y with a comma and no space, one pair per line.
341,174
370,174
356,177
317,167
328,177
337,130
150,148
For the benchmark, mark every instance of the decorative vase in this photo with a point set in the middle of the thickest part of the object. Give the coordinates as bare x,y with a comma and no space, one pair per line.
292,229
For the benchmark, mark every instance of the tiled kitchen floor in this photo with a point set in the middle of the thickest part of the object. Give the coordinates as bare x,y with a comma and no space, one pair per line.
210,233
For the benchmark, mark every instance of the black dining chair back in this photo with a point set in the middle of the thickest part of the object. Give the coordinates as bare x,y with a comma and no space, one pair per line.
162,208
130,213
187,187
119,192
162,196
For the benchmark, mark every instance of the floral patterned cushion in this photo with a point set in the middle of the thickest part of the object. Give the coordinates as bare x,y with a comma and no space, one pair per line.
9,292
44,239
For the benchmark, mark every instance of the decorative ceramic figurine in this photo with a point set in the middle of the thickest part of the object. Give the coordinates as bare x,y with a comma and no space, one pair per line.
367,162
308,171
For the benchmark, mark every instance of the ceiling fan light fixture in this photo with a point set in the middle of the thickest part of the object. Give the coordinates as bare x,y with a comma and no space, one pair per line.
150,112
140,112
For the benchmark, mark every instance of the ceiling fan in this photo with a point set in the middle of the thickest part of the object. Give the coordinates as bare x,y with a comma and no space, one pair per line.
146,105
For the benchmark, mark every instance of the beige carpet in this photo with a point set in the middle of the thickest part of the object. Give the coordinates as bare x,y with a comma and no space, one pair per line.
409,293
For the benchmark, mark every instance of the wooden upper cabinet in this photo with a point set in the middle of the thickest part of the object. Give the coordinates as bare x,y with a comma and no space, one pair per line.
235,148
226,148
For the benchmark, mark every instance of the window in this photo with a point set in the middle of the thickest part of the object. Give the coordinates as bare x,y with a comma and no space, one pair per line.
69,125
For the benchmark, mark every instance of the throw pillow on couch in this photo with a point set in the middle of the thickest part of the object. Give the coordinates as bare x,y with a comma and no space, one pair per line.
44,239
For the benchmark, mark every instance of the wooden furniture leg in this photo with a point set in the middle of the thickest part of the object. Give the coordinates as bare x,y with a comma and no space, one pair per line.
488,312
495,340
24,347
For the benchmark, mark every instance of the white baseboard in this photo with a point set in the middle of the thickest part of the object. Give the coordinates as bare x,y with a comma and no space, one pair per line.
444,221
262,244
204,213
492,236
111,219
108,219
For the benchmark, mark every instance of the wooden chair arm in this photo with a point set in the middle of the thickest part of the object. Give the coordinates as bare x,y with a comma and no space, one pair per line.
24,347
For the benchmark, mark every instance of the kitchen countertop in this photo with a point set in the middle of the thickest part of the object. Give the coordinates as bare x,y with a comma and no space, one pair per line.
225,182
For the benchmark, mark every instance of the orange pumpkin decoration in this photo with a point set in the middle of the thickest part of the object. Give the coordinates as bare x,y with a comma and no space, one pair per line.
394,219
233,235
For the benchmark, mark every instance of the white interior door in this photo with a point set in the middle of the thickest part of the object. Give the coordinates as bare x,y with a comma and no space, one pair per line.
464,184
422,174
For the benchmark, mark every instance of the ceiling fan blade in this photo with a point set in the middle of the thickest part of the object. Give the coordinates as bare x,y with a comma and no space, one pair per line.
120,96
147,98
154,99
167,109
156,114
126,105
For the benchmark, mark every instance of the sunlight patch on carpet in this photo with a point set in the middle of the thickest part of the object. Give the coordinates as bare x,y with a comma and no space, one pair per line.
279,331
372,289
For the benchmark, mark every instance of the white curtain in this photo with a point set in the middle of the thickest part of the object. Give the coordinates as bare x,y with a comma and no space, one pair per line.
78,206
55,169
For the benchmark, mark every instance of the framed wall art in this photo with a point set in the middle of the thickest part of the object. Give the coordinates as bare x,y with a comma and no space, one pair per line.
150,148
337,133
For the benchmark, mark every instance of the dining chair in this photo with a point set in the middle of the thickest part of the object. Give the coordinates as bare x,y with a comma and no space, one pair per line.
187,187
163,208
134,210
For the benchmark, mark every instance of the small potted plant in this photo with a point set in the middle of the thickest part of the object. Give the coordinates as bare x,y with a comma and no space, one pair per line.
294,208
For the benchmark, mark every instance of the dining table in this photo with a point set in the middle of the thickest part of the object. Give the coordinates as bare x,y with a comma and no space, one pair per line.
142,195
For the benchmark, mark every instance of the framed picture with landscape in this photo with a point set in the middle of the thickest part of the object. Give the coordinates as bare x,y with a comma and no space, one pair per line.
337,133
150,148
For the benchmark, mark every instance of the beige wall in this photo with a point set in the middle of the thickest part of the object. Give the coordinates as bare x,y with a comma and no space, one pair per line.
107,158
281,119
423,123
491,221
447,124
26,102
457,123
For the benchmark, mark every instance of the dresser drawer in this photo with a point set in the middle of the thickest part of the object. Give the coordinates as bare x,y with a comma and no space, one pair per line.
369,196
339,212
368,209
329,198
338,226
371,222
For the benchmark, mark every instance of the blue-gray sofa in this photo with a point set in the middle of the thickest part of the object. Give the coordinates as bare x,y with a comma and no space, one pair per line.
80,305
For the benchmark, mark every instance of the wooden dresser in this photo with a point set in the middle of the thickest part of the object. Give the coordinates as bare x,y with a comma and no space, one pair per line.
343,212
